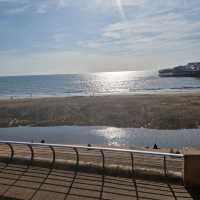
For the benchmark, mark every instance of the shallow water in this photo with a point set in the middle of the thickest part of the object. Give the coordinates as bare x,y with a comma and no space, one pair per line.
94,84
124,137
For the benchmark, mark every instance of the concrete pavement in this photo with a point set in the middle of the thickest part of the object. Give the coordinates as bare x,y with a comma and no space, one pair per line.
21,182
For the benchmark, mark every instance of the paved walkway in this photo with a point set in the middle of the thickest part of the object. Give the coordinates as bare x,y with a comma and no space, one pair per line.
19,182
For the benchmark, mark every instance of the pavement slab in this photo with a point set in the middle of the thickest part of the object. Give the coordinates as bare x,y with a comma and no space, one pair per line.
21,182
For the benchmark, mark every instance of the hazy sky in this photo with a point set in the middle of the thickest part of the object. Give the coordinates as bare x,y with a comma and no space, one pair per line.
74,36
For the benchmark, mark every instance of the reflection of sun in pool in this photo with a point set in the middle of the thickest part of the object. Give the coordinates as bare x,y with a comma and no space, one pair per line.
113,135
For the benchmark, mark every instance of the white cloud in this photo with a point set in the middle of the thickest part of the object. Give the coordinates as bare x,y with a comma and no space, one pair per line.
38,6
63,3
17,10
13,1
42,7
154,31
15,63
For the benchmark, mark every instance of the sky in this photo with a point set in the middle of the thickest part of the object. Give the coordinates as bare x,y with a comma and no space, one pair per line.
78,36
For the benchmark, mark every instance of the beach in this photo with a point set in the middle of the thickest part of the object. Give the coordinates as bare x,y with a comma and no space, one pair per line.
156,111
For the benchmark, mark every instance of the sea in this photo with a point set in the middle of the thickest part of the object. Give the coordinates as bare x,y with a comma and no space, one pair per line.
105,83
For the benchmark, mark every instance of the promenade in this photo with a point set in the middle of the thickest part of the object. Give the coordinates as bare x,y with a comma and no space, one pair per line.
21,182
35,171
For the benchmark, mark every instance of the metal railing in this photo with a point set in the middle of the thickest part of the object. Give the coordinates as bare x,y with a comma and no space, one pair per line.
133,160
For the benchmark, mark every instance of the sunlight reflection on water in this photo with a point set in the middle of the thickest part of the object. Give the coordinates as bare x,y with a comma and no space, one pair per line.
104,83
101,135
113,135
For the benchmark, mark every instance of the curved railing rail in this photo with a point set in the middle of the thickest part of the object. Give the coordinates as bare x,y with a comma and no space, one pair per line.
133,159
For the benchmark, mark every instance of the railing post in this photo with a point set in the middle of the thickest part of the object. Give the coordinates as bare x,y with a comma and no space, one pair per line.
165,166
77,157
12,151
32,152
103,159
54,155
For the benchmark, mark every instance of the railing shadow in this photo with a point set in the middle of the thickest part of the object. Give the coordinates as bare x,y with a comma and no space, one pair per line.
31,182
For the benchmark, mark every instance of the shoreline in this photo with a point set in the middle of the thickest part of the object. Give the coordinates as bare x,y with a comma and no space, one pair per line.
142,92
156,111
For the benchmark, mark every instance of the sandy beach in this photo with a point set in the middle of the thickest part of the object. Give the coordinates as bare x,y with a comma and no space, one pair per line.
158,111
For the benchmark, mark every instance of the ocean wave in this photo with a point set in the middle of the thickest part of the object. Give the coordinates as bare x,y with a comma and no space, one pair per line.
92,84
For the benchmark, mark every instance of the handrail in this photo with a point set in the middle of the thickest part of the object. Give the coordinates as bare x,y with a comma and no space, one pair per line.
101,150
95,148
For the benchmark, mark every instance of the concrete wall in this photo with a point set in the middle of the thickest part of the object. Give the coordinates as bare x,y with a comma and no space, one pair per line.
192,171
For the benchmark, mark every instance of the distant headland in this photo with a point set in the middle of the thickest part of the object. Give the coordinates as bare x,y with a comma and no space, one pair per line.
189,70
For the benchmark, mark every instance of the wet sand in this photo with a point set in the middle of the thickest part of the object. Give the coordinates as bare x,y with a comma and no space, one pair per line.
157,111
